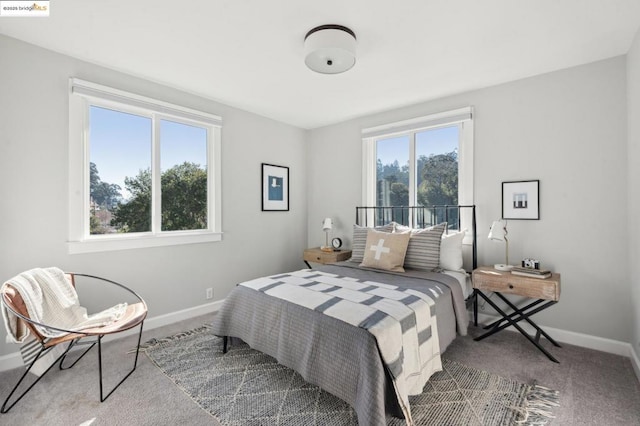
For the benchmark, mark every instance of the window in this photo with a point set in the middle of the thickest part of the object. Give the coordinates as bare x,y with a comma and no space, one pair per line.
425,161
142,172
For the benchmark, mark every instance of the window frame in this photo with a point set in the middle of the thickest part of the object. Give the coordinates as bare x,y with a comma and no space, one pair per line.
462,117
83,95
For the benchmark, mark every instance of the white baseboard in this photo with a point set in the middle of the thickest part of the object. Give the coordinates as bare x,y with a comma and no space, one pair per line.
14,360
578,339
635,361
184,314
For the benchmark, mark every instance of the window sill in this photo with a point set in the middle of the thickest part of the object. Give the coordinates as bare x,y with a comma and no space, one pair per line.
137,241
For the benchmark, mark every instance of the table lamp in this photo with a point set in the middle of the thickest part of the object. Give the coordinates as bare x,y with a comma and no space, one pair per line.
498,232
326,227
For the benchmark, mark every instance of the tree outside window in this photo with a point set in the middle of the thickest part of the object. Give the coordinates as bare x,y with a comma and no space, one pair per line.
435,156
121,198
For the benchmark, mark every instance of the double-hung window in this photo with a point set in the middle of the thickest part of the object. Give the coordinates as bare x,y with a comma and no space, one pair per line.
425,161
143,172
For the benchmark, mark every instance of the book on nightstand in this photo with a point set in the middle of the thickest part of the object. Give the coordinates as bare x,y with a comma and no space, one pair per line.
530,272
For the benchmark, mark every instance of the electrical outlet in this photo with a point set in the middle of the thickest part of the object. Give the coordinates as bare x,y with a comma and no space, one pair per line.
210,293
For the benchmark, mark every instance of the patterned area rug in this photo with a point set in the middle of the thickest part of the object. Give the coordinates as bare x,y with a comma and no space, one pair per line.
246,387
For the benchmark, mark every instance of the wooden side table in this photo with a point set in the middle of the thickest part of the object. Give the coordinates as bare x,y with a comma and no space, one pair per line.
545,291
316,255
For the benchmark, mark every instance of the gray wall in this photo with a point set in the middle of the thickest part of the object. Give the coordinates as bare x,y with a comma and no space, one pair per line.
33,189
633,114
568,129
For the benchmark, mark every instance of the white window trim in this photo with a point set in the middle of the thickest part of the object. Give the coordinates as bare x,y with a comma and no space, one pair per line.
461,116
81,94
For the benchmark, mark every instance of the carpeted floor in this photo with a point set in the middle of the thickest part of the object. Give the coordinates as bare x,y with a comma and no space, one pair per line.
595,388
245,387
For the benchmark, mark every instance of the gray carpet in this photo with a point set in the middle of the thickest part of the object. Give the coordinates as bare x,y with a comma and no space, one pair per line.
596,388
246,387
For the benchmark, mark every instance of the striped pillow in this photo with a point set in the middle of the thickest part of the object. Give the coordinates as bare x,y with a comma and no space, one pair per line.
424,248
360,240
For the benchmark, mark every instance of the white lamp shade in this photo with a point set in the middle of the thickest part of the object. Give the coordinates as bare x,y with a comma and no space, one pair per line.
327,224
498,230
330,49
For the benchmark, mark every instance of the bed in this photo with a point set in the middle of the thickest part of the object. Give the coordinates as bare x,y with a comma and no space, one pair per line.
310,321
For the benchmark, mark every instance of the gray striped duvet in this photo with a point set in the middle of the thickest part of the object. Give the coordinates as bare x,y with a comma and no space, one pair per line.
338,354
401,319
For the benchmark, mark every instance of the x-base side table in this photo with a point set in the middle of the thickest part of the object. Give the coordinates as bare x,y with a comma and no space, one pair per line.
546,293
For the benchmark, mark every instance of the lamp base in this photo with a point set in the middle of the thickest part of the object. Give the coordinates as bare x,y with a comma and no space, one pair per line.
503,267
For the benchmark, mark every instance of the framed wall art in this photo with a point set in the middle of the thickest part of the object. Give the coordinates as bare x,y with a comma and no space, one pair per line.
521,200
275,188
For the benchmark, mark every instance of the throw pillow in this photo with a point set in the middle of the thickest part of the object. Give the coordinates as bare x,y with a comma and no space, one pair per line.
424,248
360,239
451,251
385,250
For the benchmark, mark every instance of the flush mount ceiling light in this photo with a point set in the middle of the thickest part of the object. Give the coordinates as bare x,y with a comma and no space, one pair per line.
330,49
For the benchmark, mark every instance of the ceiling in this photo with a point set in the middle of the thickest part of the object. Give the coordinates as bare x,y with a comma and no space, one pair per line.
249,53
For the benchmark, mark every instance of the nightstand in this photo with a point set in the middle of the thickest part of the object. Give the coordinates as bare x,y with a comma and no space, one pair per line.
546,293
316,255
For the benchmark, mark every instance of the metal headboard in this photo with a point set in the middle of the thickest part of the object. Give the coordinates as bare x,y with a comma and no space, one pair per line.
420,217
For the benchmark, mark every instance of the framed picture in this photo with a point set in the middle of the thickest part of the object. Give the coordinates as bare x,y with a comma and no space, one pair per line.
521,200
275,188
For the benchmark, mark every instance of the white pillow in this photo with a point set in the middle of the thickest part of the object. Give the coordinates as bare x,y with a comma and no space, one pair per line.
451,251
397,227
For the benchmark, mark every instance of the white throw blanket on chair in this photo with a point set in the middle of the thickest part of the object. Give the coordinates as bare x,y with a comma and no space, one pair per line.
51,299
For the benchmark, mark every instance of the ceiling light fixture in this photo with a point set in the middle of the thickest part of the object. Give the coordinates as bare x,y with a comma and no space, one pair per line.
330,49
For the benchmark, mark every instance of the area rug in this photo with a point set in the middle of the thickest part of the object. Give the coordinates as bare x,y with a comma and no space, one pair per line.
246,387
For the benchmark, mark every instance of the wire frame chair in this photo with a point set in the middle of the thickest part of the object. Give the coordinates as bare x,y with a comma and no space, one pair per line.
134,316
